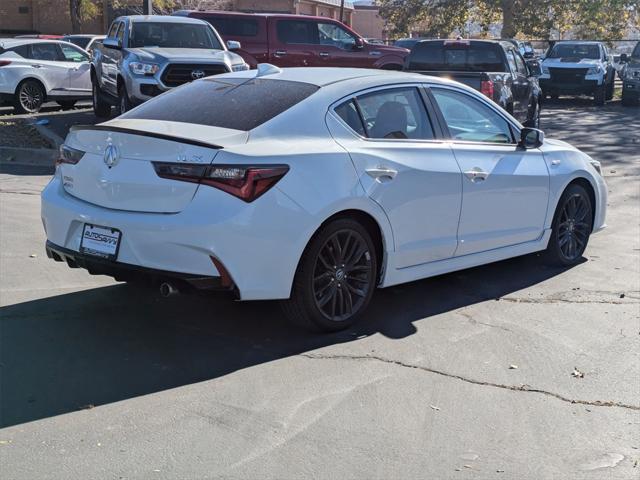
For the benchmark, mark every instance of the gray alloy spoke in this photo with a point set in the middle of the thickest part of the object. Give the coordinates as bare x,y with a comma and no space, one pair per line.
337,249
355,291
347,298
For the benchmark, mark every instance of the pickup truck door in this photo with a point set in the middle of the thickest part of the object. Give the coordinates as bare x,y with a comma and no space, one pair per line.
521,86
293,43
341,48
111,59
505,189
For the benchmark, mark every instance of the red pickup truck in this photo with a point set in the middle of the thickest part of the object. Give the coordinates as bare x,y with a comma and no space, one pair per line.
299,41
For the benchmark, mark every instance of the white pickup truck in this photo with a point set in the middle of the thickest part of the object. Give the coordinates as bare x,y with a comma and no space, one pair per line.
575,68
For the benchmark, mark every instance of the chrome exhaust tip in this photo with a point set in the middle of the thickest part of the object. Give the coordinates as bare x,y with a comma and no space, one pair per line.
168,290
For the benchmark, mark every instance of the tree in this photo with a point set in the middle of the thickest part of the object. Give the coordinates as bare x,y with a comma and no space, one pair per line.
434,18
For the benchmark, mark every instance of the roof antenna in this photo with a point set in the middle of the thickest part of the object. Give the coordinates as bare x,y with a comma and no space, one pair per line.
267,69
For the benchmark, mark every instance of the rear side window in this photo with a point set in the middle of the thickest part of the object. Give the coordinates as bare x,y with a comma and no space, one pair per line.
45,51
236,103
349,114
298,32
473,57
234,27
22,50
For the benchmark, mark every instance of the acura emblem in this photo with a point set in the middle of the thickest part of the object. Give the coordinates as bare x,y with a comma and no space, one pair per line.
196,74
111,155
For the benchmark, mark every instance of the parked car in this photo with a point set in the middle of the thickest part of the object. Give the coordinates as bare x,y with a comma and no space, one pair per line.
84,41
299,41
144,56
33,72
630,74
315,187
407,42
40,36
494,68
577,67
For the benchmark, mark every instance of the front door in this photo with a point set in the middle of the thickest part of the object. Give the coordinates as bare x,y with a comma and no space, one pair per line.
407,170
78,68
338,47
505,189
294,43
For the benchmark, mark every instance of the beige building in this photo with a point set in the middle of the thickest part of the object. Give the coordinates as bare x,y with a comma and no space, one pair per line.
52,16
367,22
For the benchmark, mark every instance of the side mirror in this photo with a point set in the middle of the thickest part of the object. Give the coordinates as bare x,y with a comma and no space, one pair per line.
233,45
359,43
112,43
531,138
624,58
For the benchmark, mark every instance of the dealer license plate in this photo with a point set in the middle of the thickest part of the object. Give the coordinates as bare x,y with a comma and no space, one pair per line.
100,241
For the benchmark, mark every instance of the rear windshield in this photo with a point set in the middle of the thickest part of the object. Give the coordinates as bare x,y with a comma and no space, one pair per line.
237,103
467,57
173,35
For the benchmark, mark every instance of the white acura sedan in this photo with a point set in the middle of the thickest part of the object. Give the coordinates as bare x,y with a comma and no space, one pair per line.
315,186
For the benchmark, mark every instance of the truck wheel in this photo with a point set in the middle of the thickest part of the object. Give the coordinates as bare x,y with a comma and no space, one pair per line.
101,109
599,96
29,97
610,89
534,120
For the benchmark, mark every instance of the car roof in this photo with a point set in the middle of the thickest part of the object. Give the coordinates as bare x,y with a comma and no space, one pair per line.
323,76
16,42
159,18
225,13
83,35
578,42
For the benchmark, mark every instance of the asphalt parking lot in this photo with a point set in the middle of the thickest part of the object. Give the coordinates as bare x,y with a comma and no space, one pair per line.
475,374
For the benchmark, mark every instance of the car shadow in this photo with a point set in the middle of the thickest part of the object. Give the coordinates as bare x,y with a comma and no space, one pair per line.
94,347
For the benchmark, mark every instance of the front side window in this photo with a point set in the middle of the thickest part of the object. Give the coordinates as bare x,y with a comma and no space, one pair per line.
297,32
522,67
469,119
120,34
396,113
72,54
45,51
235,103
335,36
511,58
173,35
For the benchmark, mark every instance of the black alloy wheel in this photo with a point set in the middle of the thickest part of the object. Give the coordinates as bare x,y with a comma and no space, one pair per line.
572,227
336,278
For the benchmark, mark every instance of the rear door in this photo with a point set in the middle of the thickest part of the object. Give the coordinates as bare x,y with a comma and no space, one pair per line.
404,167
294,43
505,189
47,59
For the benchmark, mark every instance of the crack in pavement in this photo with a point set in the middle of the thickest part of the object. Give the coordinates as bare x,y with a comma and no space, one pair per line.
20,192
513,388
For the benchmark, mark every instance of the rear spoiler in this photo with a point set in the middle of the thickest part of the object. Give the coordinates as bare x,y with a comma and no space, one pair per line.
143,133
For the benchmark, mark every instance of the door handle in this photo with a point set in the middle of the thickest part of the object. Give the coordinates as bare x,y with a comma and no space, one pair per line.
476,175
324,54
36,65
382,174
280,53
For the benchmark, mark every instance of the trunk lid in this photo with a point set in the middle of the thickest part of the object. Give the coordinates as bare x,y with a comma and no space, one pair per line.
117,171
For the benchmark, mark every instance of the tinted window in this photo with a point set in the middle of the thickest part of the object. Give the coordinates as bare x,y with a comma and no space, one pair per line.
511,58
120,33
172,35
396,113
72,54
45,51
22,50
636,51
237,103
349,113
569,50
332,34
456,56
471,120
113,29
296,31
522,68
236,27
81,42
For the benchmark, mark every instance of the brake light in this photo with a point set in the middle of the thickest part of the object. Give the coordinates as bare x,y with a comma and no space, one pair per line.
486,87
4,63
69,155
246,182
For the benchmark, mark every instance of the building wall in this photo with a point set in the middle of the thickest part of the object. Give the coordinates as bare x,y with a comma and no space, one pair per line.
368,23
42,16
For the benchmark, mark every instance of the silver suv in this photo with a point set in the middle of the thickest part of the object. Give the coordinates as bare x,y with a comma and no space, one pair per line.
144,56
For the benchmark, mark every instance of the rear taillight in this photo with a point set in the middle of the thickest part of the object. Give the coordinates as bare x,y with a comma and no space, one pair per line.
486,87
247,182
4,63
69,155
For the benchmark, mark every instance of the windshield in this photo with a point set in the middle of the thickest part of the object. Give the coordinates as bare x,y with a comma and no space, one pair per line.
173,35
225,102
636,51
81,42
569,50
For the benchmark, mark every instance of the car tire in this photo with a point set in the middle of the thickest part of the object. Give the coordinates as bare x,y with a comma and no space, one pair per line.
101,109
124,104
29,97
610,89
534,121
599,96
336,278
67,104
571,227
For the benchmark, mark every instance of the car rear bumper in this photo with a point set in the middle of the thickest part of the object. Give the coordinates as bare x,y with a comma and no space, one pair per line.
127,272
631,87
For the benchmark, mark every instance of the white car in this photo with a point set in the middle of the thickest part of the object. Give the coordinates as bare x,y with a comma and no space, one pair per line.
315,186
33,72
